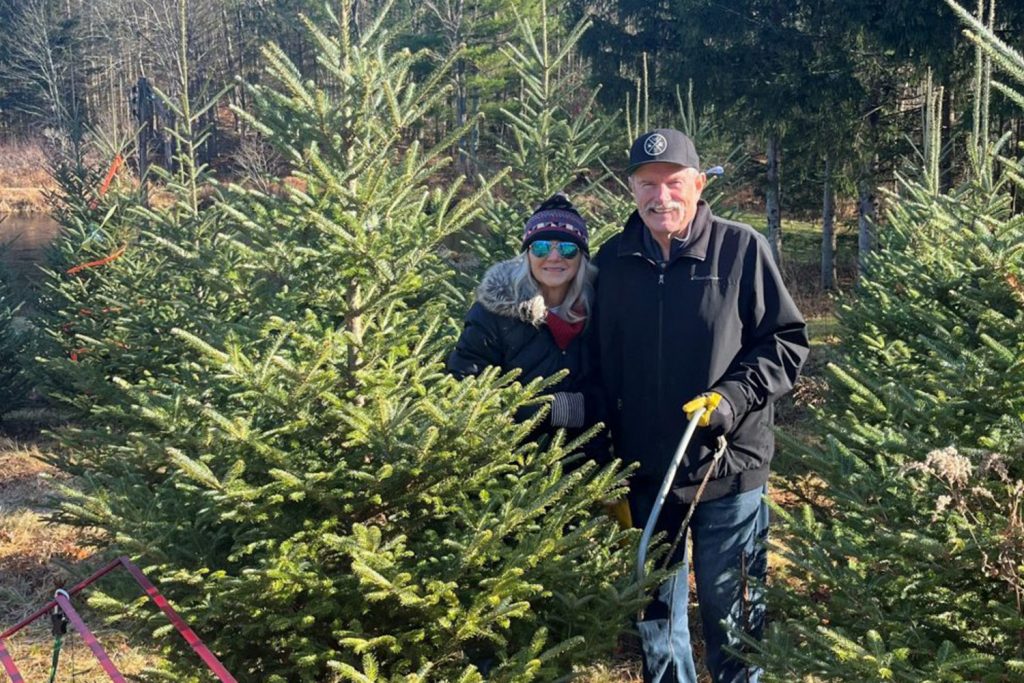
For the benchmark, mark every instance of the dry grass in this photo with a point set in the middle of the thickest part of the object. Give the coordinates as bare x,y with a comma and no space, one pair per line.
22,164
621,672
36,557
22,200
30,547
33,650
23,177
794,411
803,282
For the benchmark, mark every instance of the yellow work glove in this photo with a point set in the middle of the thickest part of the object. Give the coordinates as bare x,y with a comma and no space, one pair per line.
619,511
718,413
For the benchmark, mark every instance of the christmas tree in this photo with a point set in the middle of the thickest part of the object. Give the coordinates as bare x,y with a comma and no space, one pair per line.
555,139
905,564
13,342
272,434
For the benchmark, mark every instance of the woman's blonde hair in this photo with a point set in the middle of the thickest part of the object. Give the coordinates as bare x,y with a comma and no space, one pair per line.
578,300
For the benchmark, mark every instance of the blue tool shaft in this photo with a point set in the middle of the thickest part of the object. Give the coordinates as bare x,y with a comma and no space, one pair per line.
666,485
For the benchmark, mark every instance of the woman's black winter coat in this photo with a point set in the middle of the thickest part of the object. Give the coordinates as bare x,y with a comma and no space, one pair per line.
498,332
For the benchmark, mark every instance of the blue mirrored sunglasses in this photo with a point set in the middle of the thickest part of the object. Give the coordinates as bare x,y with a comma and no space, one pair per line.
567,250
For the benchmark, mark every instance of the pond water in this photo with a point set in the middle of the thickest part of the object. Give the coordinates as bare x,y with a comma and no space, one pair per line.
23,242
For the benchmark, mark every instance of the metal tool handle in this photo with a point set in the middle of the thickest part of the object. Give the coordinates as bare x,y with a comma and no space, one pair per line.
666,484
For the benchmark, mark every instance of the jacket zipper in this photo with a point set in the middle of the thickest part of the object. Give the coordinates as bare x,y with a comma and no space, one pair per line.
661,331
661,267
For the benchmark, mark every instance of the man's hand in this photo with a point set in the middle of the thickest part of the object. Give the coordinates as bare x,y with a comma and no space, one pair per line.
718,414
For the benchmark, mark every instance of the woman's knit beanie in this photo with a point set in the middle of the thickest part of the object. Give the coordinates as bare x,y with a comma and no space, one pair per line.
557,219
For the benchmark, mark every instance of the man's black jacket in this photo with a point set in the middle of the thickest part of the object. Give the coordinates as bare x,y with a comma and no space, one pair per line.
715,316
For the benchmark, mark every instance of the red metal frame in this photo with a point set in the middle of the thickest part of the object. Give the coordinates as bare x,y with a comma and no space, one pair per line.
64,603
12,670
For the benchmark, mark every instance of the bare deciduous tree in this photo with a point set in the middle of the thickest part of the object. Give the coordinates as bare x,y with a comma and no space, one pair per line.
47,62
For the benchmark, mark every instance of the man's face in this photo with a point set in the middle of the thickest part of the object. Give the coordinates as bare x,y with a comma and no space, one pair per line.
666,196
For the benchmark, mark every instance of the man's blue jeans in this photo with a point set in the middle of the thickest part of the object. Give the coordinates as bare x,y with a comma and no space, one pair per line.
728,547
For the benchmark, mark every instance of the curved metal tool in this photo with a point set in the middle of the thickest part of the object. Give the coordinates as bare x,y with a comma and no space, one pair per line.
666,484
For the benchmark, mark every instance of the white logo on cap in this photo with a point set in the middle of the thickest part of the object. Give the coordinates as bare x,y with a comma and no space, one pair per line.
655,144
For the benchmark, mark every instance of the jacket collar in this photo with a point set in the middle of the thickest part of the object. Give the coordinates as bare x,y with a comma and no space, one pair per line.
632,243
501,293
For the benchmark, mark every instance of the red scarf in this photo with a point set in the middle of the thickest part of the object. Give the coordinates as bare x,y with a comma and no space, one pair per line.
563,332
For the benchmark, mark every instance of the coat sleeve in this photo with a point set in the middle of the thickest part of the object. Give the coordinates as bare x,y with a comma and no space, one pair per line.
775,345
583,405
588,405
478,346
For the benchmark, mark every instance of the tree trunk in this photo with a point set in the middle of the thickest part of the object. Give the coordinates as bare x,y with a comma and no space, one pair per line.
144,122
243,69
866,208
354,326
462,158
474,141
234,64
828,232
773,197
948,162
1017,125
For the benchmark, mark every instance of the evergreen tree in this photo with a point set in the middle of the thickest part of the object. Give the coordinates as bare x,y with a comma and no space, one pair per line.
906,562
271,433
557,137
108,304
482,77
13,343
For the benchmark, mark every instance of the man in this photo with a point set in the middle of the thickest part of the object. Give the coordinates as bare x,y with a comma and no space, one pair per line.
692,313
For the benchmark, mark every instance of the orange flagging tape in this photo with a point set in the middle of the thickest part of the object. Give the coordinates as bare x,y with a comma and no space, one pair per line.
87,312
105,185
100,262
114,167
76,354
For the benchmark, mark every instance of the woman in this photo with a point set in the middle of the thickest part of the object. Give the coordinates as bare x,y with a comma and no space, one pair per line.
531,313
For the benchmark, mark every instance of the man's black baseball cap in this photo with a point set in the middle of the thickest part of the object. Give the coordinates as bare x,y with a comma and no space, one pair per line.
666,145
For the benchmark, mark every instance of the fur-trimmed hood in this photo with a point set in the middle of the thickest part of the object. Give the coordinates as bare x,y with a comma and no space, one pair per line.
501,293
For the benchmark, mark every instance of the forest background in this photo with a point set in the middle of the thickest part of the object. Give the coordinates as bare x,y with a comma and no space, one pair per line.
234,336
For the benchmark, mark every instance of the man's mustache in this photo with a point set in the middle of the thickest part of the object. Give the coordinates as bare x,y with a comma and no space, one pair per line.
657,206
